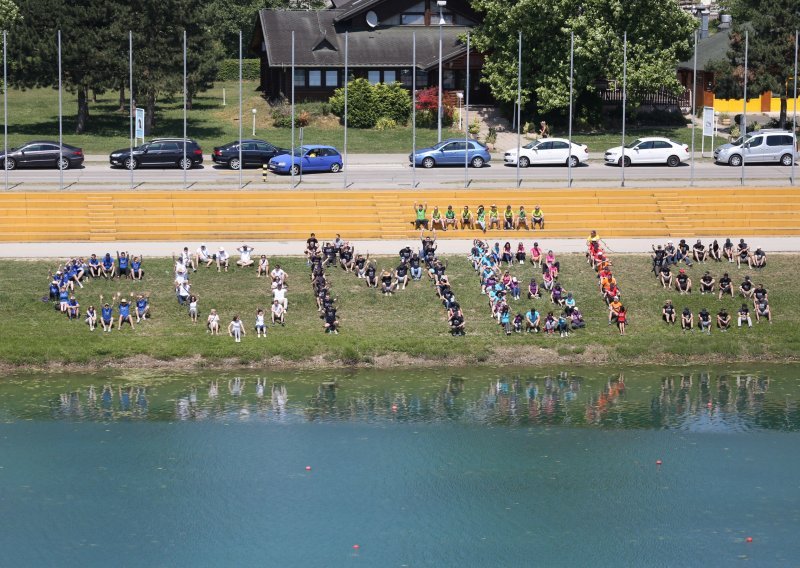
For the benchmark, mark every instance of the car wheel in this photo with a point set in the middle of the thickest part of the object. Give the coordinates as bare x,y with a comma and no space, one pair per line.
185,163
11,164
335,167
786,160
735,161
477,162
234,163
524,162
428,162
673,161
627,161
131,163
573,162
295,169
62,163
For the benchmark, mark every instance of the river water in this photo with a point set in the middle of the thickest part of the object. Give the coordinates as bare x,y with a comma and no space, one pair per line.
423,468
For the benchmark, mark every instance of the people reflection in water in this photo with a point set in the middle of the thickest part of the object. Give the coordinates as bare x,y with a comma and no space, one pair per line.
213,389
236,386
260,388
279,398
125,396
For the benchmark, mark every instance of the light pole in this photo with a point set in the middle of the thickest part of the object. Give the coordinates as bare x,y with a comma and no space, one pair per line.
254,122
460,98
441,4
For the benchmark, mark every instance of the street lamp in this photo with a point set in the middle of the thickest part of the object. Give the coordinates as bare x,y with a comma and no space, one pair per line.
460,96
441,4
254,122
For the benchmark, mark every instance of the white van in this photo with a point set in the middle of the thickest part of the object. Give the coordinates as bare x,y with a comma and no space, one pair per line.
766,145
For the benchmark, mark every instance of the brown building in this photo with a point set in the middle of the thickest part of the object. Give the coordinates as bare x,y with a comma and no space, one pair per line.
379,47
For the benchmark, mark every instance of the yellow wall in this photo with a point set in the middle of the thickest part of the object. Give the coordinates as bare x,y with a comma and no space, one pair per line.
734,106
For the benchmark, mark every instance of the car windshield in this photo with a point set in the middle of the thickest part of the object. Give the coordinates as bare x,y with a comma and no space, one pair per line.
440,144
738,141
634,143
531,145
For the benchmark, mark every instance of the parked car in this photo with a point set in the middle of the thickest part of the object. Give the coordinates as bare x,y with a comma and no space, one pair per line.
254,153
307,159
42,154
765,145
649,150
452,152
159,152
548,151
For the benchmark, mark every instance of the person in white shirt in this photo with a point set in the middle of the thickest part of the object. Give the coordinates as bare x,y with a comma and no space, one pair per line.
278,275
278,313
263,266
244,258
236,329
203,255
279,295
183,290
261,327
222,260
213,322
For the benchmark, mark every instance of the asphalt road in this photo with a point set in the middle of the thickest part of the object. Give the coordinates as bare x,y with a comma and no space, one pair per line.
392,171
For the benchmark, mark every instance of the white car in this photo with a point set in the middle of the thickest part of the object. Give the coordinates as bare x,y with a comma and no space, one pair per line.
649,150
547,151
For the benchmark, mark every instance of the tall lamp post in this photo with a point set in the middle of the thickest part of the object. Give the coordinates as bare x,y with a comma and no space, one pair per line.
254,122
460,98
441,4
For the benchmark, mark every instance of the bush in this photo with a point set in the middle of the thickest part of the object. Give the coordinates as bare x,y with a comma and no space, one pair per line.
282,117
385,123
659,117
228,70
428,100
362,107
394,102
475,127
302,118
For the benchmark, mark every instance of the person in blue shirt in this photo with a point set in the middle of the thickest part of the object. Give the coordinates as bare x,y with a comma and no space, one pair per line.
532,321
123,264
91,318
124,311
63,300
108,266
94,266
136,268
73,308
54,290
142,307
505,320
107,314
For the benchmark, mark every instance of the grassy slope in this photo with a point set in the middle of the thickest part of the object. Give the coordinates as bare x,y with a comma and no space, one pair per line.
33,114
412,322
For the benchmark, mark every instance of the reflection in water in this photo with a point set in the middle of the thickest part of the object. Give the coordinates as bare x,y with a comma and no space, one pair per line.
697,401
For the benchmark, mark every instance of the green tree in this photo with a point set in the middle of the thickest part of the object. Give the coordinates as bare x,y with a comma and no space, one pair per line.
362,105
659,36
770,57
394,101
9,14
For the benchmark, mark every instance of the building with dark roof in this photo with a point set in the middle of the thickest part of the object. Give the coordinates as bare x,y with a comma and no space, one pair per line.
379,47
709,49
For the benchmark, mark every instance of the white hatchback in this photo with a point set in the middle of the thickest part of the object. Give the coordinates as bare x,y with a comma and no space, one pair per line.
649,150
548,151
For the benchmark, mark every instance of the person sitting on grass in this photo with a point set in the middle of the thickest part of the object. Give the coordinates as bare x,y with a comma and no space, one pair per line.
312,245
659,258
759,259
537,217
557,295
494,218
514,289
746,288
346,258
203,255
516,323
261,326
612,291
533,289
759,292
457,324
450,218
704,321
94,266
505,319
727,250
613,310
108,267
142,307
668,312
124,311
665,277
707,283
213,323
137,273
537,255
507,255
278,313
331,324
683,283
236,329
107,314
532,321
699,253
467,219
762,310
360,265
683,252
73,308
193,308
508,218
401,276
723,320
387,288
743,254
421,212
522,218
54,289
63,300
622,319
371,275
123,264
725,285
91,318
562,325
715,251
687,320
279,295
262,268
670,253
550,324
743,316
547,279
576,318
222,260
520,255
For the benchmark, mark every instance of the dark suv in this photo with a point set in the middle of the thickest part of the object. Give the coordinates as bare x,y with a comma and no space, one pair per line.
159,152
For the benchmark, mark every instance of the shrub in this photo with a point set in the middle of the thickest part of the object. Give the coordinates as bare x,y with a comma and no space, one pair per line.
385,123
228,70
282,117
302,118
428,99
475,127
394,102
362,107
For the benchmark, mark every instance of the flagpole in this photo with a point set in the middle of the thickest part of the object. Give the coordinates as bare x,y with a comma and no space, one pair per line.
794,115
413,110
519,101
569,128
130,94
694,107
291,161
744,111
184,110
5,110
624,97
346,41
466,122
60,121
241,162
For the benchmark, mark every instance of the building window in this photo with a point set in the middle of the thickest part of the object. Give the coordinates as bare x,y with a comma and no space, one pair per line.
422,79
374,77
413,19
405,78
314,78
331,78
389,76
299,77
448,79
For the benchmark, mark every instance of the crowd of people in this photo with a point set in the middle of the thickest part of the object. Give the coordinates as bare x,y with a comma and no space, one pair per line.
502,288
483,219
597,257
318,259
667,257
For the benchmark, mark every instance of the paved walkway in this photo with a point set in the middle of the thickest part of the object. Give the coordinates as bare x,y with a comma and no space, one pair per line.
383,247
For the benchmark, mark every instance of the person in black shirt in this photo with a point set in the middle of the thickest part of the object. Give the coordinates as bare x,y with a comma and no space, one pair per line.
746,288
405,254
387,287
665,277
744,316
361,265
759,293
723,320
415,265
372,278
714,251
725,286
704,321
659,258
683,253
346,258
707,283
668,312
401,276
759,259
683,283
687,320
311,245
743,254
457,323
331,323
699,252
762,310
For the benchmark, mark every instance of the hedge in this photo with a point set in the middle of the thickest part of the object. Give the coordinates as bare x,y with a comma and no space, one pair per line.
229,70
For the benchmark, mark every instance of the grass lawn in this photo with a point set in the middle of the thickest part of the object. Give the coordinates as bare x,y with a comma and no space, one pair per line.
411,324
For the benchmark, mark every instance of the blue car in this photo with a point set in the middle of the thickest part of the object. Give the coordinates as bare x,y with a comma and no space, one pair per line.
307,159
452,152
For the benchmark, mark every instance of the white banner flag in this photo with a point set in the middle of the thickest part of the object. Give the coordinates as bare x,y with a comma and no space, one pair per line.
708,121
